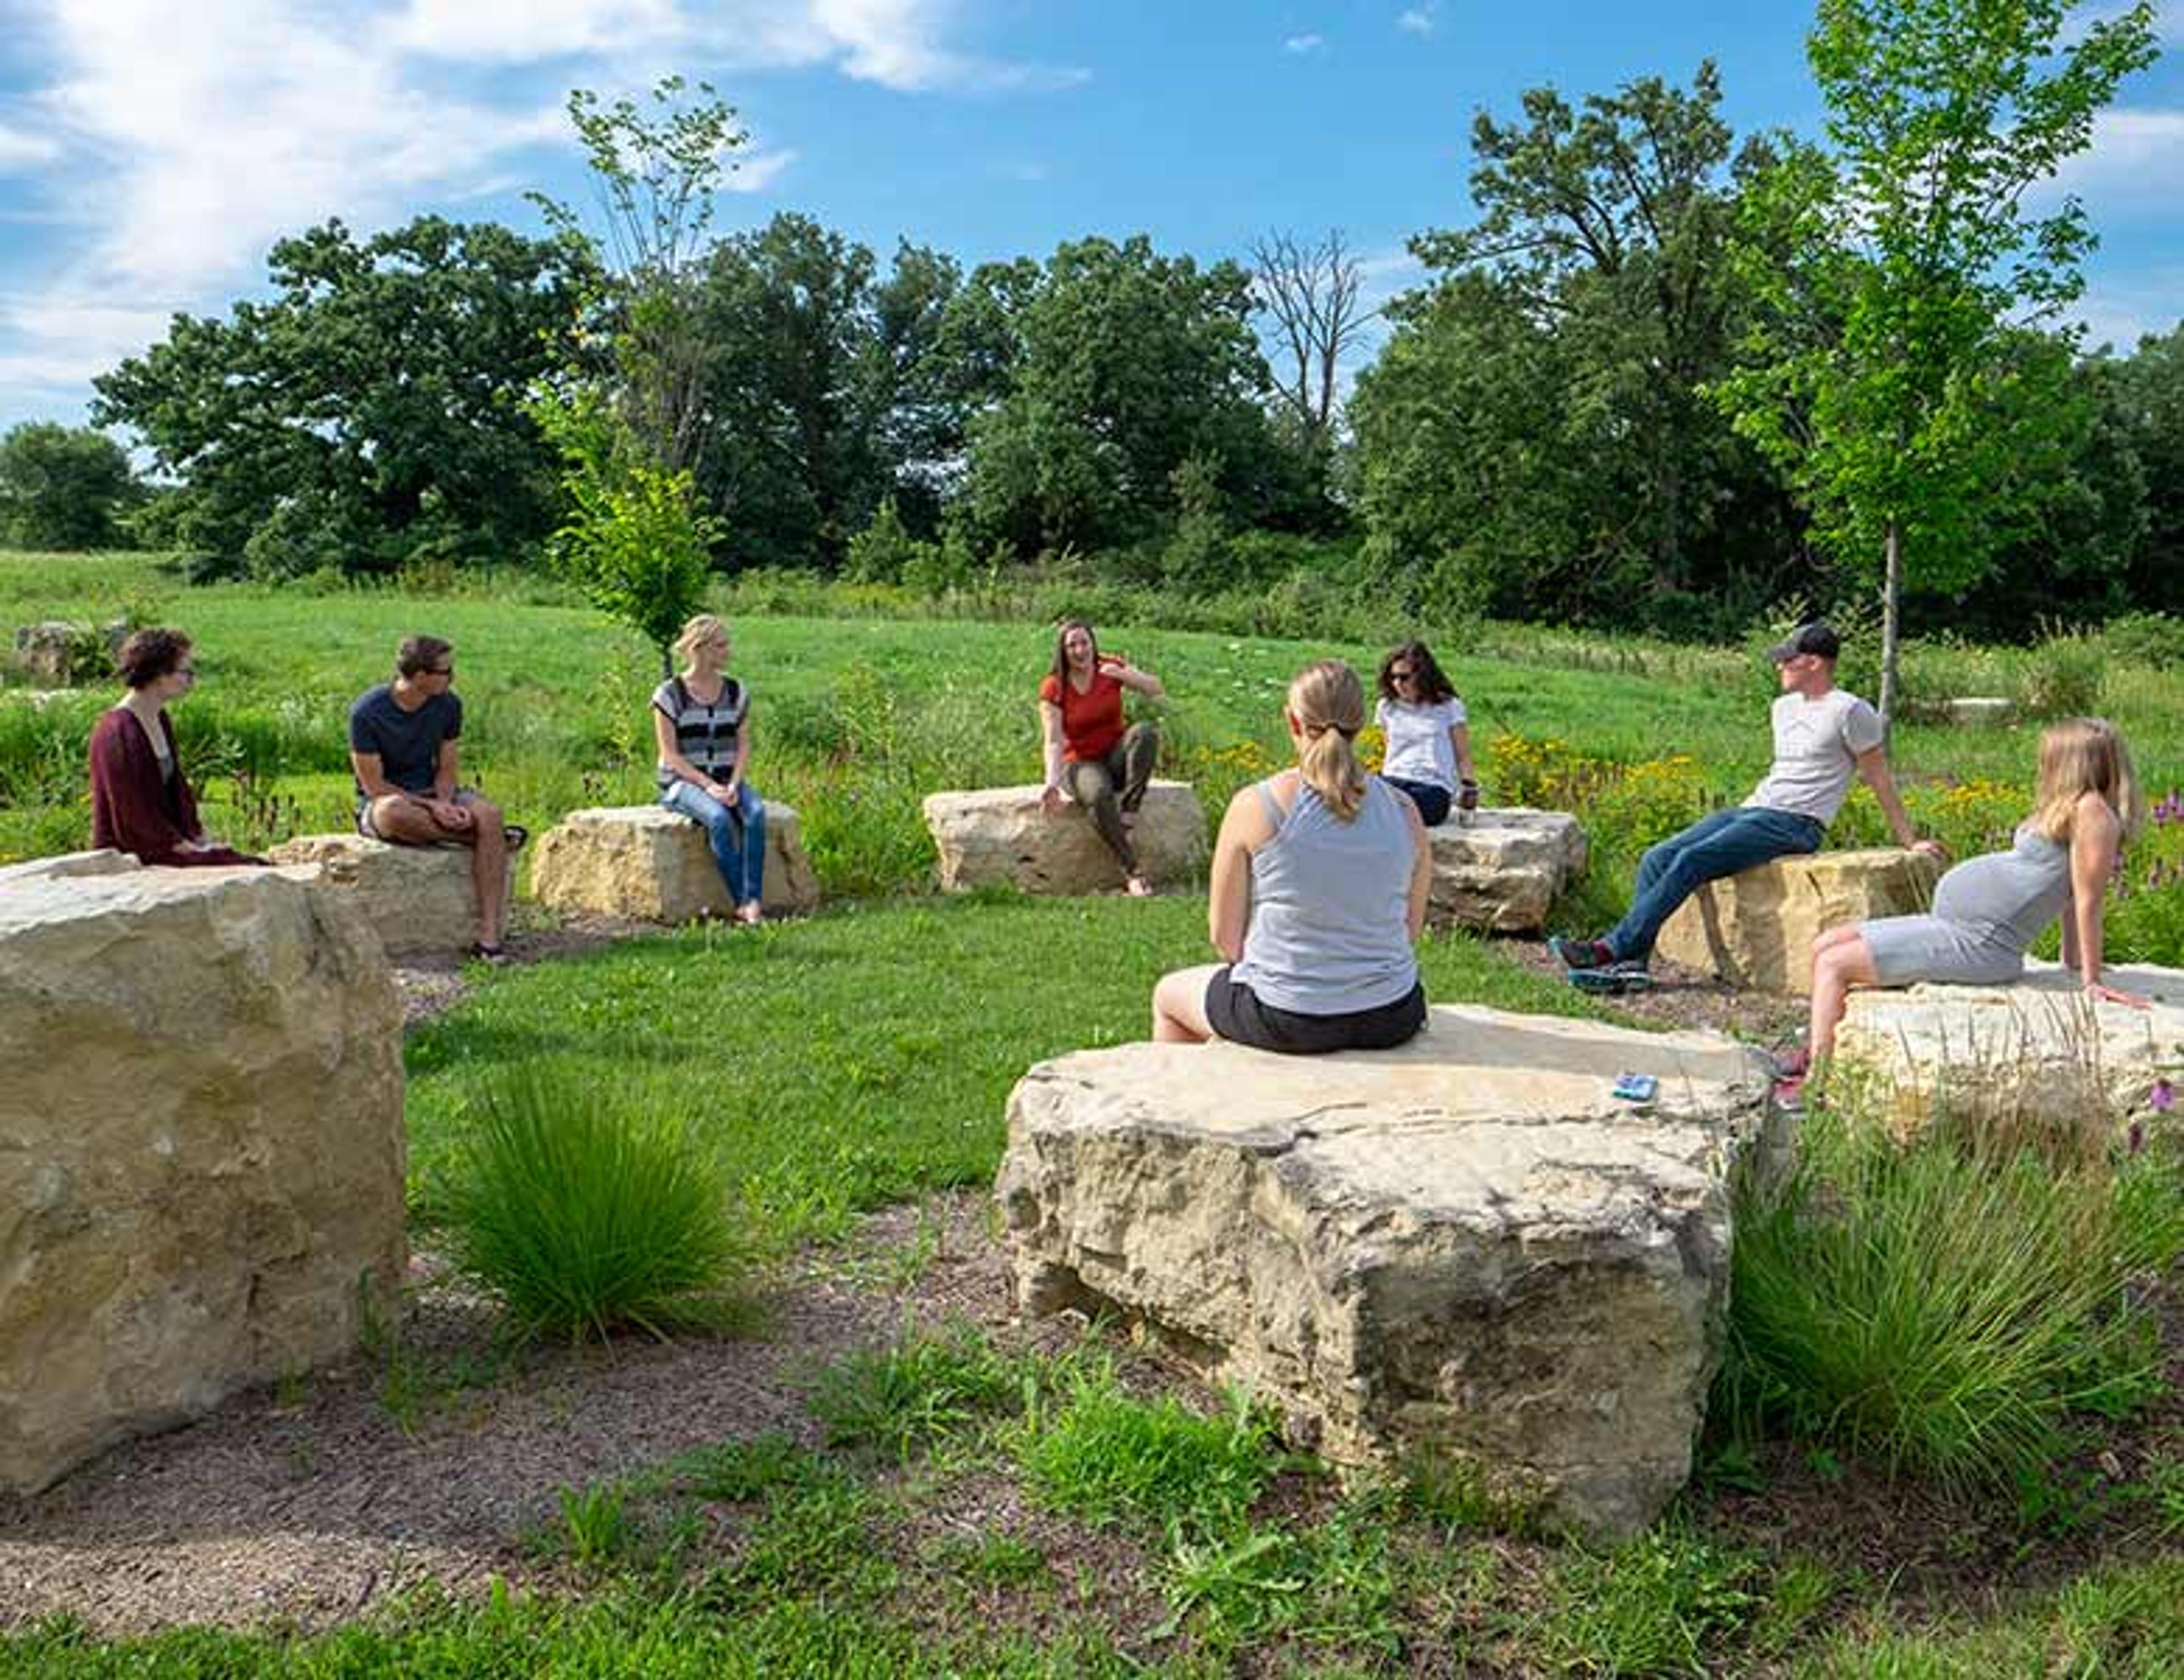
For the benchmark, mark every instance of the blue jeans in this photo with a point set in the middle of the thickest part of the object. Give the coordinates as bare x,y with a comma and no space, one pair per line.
1433,802
1711,847
737,833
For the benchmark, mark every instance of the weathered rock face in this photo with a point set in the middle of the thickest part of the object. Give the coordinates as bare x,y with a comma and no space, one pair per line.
991,835
2039,1051
414,898
59,652
647,863
1756,930
201,1146
1466,1246
1497,871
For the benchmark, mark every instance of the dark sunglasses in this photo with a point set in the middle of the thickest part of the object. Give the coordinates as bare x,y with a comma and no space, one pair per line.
1405,674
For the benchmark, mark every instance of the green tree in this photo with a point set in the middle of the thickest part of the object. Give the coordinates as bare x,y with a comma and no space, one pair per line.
1890,372
64,487
1534,438
654,176
633,542
370,410
1119,364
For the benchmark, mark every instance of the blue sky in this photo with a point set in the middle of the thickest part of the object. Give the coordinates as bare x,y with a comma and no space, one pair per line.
149,153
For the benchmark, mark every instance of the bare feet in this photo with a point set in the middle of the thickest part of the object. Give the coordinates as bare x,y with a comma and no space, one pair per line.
1139,887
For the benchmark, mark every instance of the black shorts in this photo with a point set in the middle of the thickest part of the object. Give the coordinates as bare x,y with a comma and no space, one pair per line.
1235,1013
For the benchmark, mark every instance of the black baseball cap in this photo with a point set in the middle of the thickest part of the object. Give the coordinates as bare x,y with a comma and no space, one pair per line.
1806,638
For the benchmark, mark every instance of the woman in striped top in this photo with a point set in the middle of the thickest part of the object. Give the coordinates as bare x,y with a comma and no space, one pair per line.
701,722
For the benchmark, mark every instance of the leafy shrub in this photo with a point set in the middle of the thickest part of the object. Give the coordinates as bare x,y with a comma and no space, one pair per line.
1940,1304
585,1208
2151,639
2064,676
884,551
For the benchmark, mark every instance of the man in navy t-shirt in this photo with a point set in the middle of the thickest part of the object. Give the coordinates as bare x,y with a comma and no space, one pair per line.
402,743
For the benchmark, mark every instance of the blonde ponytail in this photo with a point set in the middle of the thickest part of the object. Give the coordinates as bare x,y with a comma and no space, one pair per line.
1327,702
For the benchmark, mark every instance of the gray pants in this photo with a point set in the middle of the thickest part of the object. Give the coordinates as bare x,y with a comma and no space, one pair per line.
1108,786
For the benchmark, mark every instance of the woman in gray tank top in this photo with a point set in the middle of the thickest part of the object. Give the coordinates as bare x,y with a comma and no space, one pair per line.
1320,876
1989,910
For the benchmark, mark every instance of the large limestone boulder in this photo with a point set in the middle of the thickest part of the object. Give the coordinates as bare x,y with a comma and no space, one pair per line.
646,862
1497,871
416,899
1756,930
992,835
2038,1051
1465,1246
201,1146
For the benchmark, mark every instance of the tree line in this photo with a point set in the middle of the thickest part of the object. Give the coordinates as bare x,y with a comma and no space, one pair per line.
1667,374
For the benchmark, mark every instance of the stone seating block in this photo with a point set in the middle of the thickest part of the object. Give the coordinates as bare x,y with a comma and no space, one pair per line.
201,1144
992,835
416,899
1497,869
1755,930
649,864
1464,1247
2038,1051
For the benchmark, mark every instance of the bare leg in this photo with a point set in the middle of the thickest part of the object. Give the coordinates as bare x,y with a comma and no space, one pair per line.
1837,967
403,821
1179,1006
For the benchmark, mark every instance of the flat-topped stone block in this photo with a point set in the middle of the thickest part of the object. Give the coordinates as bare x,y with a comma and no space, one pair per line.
1756,930
201,1144
2036,1051
649,863
1465,1247
1981,708
1497,869
991,835
416,899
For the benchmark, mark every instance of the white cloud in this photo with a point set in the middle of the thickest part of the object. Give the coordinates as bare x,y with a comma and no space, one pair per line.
20,150
1418,20
2135,161
1304,43
2122,313
175,154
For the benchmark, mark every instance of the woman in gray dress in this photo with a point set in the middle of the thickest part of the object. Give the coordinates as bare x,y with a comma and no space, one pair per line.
1988,910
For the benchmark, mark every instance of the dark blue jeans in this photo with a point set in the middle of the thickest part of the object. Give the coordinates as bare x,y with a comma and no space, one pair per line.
1432,802
1711,847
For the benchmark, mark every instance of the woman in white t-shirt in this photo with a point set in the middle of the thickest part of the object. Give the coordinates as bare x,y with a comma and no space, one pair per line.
1429,745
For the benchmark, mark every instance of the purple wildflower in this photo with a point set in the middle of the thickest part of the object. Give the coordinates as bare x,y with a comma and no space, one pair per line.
2163,1096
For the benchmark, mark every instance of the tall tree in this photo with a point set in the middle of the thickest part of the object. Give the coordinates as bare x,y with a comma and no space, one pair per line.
370,409
654,176
1312,295
1607,220
1120,365
64,487
1889,373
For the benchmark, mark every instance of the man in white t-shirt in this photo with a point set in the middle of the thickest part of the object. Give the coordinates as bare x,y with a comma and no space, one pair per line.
1824,736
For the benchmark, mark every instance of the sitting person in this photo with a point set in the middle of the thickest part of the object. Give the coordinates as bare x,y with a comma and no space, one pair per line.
1429,738
1987,910
141,802
1320,877
701,725
402,746
1824,736
1091,755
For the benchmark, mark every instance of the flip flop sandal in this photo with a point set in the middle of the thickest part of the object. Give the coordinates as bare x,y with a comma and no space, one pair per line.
516,834
498,955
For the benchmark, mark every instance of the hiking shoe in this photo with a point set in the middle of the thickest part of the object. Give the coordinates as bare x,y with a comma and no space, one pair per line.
1578,955
1613,980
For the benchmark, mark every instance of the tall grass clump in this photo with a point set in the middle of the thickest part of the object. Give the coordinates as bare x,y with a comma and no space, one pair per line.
585,1208
1942,1305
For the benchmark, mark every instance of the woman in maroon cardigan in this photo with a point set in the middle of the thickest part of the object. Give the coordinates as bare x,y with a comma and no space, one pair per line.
140,803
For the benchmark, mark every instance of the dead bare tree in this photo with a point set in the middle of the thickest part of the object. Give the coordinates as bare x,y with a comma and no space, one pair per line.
1313,294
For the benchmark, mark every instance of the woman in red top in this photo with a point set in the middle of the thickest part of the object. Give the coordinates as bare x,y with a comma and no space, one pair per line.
140,803
1091,756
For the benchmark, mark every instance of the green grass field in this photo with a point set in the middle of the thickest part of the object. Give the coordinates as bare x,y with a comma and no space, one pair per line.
862,1057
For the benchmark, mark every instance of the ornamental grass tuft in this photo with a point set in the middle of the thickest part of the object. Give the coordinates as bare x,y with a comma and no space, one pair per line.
1944,1306
586,1208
